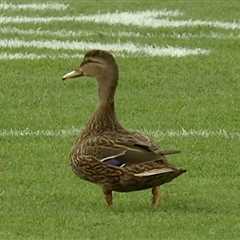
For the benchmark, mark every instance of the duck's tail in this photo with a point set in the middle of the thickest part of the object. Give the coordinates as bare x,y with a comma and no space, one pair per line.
148,175
161,171
159,176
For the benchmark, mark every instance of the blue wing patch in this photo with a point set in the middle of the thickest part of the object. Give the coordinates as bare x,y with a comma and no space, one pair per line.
115,160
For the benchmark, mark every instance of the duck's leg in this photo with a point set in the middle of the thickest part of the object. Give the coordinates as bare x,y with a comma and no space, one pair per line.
155,196
108,196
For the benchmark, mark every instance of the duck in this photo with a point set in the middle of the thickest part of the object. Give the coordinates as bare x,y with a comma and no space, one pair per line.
107,154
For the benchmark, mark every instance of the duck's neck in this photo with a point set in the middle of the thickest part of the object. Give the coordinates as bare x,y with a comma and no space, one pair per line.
104,118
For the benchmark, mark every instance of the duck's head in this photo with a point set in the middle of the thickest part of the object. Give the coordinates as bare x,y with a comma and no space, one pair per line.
96,63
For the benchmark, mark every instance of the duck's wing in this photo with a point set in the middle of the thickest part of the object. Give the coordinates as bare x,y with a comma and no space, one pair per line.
141,170
138,140
125,162
129,149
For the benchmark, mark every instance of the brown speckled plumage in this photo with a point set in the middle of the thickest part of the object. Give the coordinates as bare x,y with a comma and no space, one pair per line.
106,153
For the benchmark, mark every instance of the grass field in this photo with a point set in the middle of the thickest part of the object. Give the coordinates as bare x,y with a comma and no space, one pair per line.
40,197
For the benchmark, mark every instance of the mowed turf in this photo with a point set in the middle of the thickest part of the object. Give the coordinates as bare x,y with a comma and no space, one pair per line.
40,197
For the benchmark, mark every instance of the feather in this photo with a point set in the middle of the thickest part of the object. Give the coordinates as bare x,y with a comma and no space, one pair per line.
115,160
154,172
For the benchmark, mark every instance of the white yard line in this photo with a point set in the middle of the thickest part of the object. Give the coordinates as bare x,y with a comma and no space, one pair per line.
39,32
203,133
33,6
129,47
186,35
66,33
142,19
181,133
34,56
87,33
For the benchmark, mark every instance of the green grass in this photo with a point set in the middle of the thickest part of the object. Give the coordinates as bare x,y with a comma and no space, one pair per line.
40,197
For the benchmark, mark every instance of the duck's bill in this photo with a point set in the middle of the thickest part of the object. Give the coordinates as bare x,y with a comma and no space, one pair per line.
73,74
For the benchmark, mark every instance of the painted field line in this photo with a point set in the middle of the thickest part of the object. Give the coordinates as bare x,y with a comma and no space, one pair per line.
123,17
180,133
129,47
34,56
66,33
202,133
85,33
141,19
33,6
149,19
212,35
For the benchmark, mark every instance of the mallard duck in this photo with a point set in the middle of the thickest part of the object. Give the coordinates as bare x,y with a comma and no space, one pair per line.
106,153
